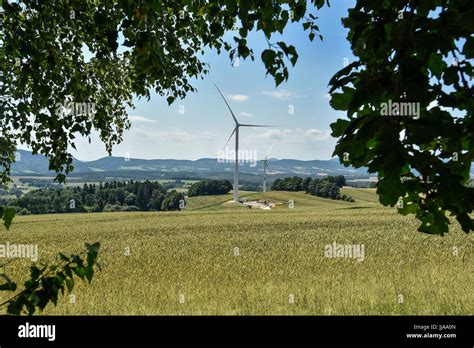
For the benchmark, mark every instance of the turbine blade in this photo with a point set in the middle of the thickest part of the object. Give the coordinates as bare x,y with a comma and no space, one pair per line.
270,149
266,164
255,125
233,132
231,112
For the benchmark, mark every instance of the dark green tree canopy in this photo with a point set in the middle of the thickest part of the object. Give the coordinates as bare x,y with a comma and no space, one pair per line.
411,53
209,187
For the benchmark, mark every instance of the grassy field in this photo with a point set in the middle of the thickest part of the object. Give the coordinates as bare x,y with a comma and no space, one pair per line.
218,259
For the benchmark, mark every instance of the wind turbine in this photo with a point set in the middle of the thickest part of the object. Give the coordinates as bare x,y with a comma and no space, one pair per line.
265,168
236,131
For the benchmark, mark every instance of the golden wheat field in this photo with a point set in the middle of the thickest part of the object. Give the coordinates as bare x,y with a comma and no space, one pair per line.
217,259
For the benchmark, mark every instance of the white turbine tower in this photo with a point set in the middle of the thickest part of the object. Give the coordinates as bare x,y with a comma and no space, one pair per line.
236,131
265,168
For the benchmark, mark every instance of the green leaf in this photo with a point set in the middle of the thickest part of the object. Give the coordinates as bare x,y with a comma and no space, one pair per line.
466,222
243,51
215,28
69,284
35,272
268,57
92,248
434,222
408,208
436,65
284,47
339,127
279,78
468,49
80,271
170,100
341,101
9,285
425,6
16,307
451,76
389,188
89,273
8,215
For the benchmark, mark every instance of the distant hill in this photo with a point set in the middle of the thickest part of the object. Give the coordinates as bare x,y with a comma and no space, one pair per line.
37,165
141,169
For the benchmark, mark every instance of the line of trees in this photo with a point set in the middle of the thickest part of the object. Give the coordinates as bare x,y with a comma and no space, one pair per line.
13,191
112,196
328,187
209,187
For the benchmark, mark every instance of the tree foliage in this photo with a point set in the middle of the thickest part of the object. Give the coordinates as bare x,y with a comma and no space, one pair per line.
328,187
294,183
209,187
7,214
47,282
173,201
418,52
135,47
111,196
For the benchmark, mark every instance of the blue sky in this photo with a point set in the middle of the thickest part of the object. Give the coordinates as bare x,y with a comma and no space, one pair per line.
200,125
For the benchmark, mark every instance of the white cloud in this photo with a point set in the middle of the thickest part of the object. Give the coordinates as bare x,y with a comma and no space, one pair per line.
238,97
245,114
282,94
171,135
296,135
270,134
180,143
327,96
136,118
316,134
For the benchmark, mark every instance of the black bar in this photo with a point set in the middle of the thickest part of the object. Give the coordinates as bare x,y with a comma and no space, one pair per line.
286,330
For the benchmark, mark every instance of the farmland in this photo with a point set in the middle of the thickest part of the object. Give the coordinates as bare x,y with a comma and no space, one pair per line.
214,258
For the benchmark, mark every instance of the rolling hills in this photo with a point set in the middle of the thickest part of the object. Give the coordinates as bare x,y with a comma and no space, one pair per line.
29,164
